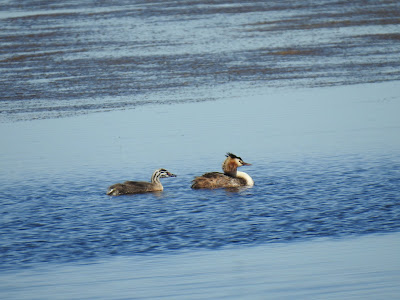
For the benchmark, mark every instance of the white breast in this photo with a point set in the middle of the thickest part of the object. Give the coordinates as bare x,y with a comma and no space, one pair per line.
245,176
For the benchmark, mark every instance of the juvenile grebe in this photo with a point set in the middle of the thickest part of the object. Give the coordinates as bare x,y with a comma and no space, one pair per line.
136,187
231,178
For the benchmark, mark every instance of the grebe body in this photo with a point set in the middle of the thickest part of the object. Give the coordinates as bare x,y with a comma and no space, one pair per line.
137,187
231,178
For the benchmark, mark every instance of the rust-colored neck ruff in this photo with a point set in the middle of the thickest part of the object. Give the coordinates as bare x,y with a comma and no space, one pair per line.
230,167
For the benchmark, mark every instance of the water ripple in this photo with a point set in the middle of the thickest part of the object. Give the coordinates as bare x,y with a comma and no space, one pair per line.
67,59
57,221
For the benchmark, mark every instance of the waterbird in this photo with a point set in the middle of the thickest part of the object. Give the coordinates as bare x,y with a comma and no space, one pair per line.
136,187
231,178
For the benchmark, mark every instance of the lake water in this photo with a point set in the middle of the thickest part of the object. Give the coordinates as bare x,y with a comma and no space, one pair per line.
356,268
309,93
74,57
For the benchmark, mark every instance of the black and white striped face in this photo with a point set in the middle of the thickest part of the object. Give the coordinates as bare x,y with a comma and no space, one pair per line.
163,173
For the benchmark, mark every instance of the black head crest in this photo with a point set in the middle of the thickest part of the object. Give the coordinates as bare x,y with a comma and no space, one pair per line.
231,155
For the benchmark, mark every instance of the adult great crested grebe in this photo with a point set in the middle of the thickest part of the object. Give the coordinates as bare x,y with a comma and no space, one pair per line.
231,178
136,187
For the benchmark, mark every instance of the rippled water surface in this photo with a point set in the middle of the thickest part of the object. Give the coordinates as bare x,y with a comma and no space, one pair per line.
94,93
72,57
71,219
322,168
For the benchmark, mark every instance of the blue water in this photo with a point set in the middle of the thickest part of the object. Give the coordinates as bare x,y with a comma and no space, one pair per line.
63,218
98,93
68,58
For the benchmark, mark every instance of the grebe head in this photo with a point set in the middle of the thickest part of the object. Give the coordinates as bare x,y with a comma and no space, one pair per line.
160,173
164,173
231,163
238,160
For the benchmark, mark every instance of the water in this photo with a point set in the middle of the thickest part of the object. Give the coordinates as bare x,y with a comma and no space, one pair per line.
326,187
97,94
69,57
362,268
71,219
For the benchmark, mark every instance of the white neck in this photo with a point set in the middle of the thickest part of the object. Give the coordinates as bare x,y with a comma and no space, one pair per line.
245,176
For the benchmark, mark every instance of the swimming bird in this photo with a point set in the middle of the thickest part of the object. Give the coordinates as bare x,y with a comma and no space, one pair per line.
136,187
231,178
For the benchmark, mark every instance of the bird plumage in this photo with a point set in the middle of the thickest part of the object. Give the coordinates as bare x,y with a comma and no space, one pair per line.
231,178
136,187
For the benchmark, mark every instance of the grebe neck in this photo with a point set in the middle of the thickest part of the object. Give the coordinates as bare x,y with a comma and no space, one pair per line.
232,173
229,167
245,176
155,178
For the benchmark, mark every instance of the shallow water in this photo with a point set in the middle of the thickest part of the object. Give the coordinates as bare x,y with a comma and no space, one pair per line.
68,58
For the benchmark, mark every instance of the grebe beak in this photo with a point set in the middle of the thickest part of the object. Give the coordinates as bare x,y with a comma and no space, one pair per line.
171,175
245,164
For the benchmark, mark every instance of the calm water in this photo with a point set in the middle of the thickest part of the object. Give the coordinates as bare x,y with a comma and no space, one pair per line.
306,91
